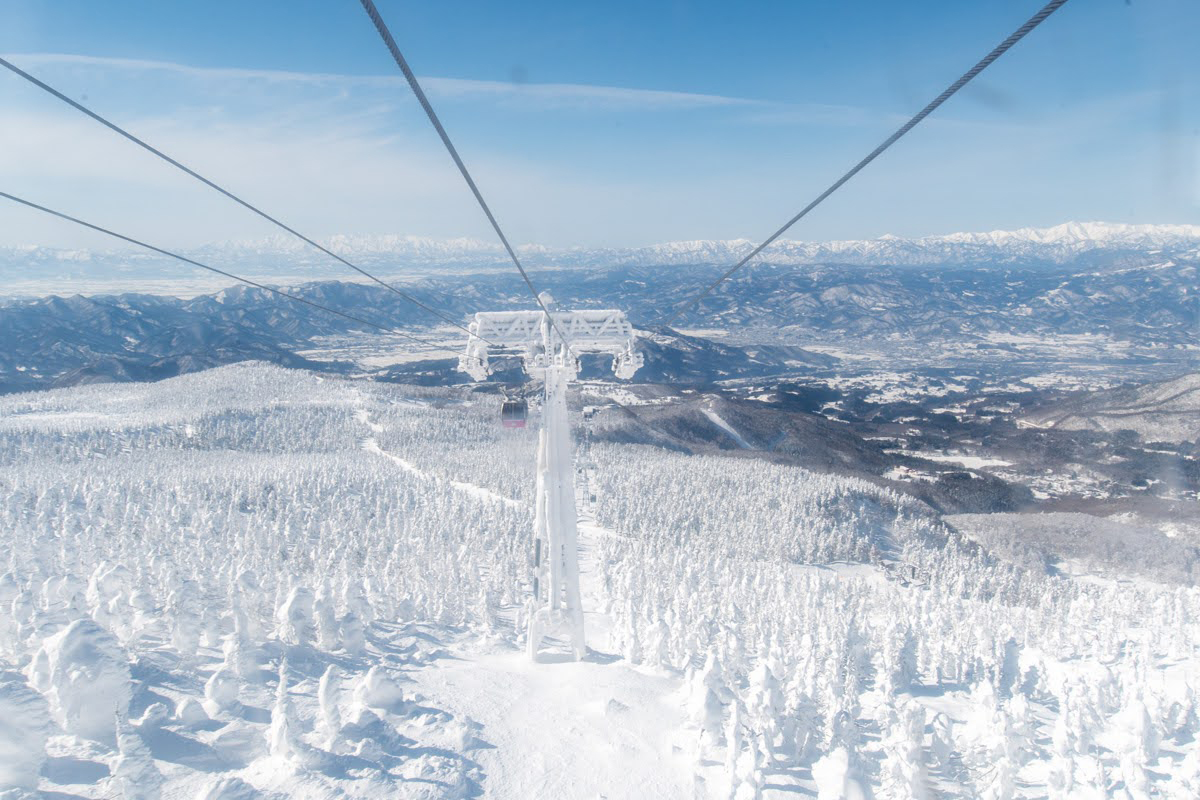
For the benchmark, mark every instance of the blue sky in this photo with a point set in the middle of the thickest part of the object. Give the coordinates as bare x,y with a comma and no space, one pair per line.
599,124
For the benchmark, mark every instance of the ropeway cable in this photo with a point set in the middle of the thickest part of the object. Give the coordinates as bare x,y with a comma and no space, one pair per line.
388,40
193,262
245,204
996,52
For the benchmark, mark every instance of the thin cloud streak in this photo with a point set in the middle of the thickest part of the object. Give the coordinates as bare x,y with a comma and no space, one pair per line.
339,153
575,95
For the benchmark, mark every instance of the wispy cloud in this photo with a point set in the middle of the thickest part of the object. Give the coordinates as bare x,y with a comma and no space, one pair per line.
545,94
350,153
577,95
29,60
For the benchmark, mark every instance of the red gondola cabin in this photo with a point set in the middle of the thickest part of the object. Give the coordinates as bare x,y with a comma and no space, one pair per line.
514,413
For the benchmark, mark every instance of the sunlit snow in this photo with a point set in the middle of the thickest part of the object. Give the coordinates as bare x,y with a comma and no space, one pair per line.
254,582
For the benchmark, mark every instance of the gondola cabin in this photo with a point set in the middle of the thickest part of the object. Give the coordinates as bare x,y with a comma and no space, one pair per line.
514,413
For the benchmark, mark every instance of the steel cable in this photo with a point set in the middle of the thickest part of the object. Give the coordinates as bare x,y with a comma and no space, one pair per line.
193,262
996,52
245,204
392,47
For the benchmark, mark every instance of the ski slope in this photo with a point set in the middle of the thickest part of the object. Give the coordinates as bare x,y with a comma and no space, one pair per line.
256,582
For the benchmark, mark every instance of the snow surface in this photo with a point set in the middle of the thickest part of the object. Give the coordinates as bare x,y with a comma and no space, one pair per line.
1166,411
253,582
970,462
717,420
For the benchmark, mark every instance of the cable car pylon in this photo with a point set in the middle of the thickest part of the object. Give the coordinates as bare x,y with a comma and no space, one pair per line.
550,343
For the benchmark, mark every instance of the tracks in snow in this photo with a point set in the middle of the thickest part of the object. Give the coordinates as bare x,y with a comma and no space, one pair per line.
371,445
717,420
567,729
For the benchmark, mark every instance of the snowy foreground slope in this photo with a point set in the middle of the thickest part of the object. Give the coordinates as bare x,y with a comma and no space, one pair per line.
255,582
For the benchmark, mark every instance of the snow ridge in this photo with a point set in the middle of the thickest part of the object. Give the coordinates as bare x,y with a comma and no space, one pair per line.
1055,244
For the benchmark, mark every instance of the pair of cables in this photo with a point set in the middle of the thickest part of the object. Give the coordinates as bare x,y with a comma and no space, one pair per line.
240,201
414,84
999,50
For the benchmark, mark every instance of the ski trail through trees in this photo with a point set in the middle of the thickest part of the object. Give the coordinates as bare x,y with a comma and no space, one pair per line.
371,445
596,598
601,727
720,422
597,728
593,728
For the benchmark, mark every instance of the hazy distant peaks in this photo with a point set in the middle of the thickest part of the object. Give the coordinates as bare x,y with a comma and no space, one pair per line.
1056,244
1069,237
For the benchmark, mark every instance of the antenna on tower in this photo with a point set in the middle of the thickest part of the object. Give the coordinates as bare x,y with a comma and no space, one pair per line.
538,336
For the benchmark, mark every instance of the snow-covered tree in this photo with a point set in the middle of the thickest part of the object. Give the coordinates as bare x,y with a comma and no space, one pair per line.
135,776
84,674
23,734
903,768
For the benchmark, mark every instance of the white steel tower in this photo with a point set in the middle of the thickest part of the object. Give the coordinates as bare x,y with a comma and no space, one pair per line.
538,337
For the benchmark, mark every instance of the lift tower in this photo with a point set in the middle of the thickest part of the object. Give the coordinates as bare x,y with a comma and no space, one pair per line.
550,343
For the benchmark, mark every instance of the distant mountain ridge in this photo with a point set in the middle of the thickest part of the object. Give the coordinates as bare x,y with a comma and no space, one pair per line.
1060,244
1138,313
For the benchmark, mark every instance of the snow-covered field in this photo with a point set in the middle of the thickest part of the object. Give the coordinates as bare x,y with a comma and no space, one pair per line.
1160,412
255,582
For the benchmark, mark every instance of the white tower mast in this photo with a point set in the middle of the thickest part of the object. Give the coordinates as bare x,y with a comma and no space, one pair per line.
555,608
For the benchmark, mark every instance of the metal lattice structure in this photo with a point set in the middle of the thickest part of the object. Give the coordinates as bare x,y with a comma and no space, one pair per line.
525,332
555,606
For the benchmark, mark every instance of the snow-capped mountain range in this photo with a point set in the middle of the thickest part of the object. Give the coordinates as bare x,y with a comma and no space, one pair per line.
63,340
1059,244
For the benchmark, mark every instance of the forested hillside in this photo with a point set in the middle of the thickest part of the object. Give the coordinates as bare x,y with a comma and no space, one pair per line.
257,577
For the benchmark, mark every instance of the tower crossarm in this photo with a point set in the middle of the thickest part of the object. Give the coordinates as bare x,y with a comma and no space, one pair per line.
605,331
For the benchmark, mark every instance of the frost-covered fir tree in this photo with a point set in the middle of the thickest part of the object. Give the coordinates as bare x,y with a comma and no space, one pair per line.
709,698
837,778
281,735
330,720
765,703
135,776
83,672
296,624
902,774
23,734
